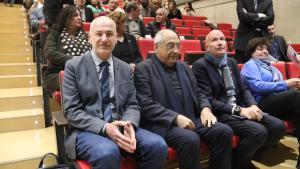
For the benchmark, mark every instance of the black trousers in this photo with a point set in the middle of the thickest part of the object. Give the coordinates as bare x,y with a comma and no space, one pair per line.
253,136
285,105
186,142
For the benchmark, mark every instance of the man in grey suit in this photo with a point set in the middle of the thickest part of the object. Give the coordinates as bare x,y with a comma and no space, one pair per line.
102,110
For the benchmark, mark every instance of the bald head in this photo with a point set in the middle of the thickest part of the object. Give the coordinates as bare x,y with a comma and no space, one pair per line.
167,46
215,43
103,36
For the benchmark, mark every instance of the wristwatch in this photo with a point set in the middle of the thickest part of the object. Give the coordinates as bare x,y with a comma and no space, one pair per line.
237,110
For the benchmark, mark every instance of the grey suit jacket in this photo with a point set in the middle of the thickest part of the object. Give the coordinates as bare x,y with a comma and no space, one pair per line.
82,99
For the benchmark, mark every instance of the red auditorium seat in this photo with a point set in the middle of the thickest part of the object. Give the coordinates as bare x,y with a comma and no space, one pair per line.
198,18
187,17
86,26
227,34
183,31
200,32
292,69
296,47
193,24
281,67
190,50
145,45
226,26
148,19
177,22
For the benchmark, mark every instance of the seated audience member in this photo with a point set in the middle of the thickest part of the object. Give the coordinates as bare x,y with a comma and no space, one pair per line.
156,4
174,13
161,22
96,7
172,106
102,110
278,48
188,9
37,17
273,94
254,18
126,48
146,9
135,25
86,13
113,6
65,40
232,103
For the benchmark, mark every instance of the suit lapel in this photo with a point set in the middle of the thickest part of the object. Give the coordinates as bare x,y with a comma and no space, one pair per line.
252,6
215,73
94,78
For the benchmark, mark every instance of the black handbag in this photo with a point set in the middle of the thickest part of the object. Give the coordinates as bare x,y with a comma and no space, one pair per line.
57,166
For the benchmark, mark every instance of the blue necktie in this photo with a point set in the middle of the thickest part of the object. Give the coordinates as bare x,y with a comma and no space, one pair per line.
104,81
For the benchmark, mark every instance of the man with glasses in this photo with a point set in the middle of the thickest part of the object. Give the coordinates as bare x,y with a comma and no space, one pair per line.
172,107
161,22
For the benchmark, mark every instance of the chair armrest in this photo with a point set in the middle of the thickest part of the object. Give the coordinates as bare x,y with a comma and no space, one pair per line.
60,123
59,119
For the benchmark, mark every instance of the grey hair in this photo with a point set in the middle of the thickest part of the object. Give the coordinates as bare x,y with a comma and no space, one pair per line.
159,37
103,19
164,10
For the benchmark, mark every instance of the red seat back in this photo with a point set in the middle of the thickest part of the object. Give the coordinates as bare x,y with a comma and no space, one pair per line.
187,17
224,26
292,69
189,45
199,18
183,30
177,22
148,19
281,67
145,45
86,26
200,32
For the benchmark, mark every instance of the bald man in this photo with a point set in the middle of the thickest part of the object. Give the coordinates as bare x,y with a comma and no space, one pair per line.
99,100
173,107
232,103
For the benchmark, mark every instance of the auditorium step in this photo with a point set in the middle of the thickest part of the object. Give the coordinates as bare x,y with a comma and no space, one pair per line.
17,68
16,50
15,41
15,81
20,98
24,149
16,58
25,119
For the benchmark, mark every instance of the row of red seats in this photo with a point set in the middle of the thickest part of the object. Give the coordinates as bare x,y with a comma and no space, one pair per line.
200,33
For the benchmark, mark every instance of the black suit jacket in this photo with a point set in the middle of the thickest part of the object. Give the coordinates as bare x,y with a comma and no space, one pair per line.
152,97
154,27
89,16
250,22
211,83
282,47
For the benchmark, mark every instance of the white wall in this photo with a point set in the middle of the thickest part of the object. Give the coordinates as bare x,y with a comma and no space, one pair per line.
287,15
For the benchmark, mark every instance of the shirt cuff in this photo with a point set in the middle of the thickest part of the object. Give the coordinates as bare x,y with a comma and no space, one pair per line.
103,131
232,110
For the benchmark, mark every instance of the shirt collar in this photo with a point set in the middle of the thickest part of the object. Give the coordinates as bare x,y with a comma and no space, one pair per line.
98,60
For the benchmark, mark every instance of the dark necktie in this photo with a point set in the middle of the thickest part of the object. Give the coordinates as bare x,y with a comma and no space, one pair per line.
104,81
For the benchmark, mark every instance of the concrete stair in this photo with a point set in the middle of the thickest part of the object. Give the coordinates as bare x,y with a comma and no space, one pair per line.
23,136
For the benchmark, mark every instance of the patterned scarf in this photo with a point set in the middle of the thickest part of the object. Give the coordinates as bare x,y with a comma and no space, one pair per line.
266,64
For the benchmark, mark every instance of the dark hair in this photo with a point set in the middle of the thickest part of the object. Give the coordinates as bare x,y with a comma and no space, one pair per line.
117,17
65,16
254,43
131,6
190,6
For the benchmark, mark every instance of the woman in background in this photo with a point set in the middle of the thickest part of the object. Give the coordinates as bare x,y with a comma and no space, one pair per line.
65,41
96,7
126,48
173,11
188,9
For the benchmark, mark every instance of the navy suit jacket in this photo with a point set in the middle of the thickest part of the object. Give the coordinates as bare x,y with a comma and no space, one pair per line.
211,83
250,21
156,117
82,99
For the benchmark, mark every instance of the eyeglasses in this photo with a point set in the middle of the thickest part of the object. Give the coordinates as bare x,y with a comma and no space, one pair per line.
172,46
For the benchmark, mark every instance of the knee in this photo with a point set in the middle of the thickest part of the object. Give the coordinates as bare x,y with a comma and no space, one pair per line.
260,134
192,140
157,146
108,152
224,132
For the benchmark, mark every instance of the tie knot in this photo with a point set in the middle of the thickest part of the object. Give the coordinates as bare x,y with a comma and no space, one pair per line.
104,64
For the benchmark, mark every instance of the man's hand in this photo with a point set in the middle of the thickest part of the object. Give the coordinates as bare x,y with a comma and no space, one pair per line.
113,132
257,112
207,118
130,133
132,66
248,113
184,122
261,15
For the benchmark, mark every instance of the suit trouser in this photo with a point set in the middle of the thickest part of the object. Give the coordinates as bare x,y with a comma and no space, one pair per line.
285,104
186,142
253,136
102,153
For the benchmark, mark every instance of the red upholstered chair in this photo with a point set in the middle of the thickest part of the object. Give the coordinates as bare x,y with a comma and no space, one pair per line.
200,32
296,47
187,17
148,19
177,22
86,26
281,67
190,50
292,69
183,30
200,18
227,34
226,26
145,45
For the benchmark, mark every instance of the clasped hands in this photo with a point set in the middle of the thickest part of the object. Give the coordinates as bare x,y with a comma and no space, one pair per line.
252,113
125,140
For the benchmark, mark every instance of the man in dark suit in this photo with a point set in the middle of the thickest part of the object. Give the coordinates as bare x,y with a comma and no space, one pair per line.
100,105
232,103
86,13
173,107
161,22
254,17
